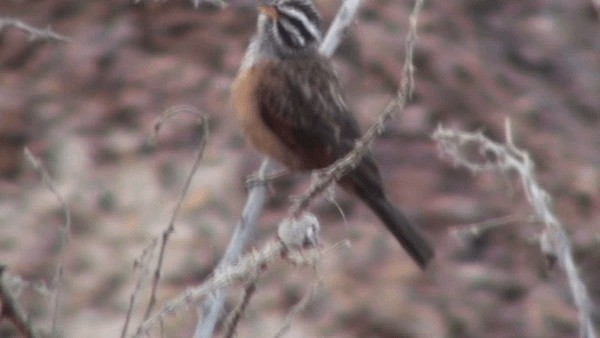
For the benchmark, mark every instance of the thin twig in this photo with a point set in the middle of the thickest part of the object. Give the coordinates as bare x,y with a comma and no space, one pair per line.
34,33
12,310
223,277
300,258
142,266
236,314
248,265
468,232
300,306
477,153
202,122
65,233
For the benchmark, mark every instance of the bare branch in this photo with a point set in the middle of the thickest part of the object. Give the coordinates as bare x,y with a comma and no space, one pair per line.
478,153
223,276
245,227
301,305
467,233
11,309
65,233
34,33
142,266
245,269
236,314
340,24
202,122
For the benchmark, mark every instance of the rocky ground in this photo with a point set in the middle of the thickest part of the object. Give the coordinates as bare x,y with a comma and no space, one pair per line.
86,108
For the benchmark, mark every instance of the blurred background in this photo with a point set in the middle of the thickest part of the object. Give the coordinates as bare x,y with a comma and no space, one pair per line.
86,108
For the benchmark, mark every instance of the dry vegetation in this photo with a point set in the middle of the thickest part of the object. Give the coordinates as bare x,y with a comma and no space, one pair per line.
84,103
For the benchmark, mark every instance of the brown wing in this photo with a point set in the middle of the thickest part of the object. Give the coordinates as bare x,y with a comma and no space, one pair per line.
301,102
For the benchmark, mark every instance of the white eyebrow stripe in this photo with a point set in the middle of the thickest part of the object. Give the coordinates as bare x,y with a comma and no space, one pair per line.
311,27
290,28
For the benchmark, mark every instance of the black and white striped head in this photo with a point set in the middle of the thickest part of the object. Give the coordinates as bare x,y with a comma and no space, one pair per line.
289,28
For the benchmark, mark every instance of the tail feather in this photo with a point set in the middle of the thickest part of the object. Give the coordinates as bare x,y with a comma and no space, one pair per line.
405,232
365,182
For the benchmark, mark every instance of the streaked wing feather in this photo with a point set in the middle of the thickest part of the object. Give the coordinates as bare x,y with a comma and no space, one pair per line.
301,103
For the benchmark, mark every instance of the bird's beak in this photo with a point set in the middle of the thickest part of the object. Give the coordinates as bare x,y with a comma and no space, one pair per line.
269,11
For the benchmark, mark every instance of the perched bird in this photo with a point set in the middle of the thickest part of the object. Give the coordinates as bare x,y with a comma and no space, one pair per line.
289,103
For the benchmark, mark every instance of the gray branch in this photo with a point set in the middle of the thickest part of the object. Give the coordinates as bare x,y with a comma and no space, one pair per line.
243,231
34,33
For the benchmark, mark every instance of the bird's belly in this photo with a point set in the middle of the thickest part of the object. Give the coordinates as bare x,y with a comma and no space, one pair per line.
248,116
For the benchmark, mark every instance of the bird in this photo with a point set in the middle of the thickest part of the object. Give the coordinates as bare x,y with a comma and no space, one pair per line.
289,102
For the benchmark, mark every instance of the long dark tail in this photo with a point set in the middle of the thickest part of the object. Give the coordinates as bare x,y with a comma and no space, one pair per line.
365,182
405,232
